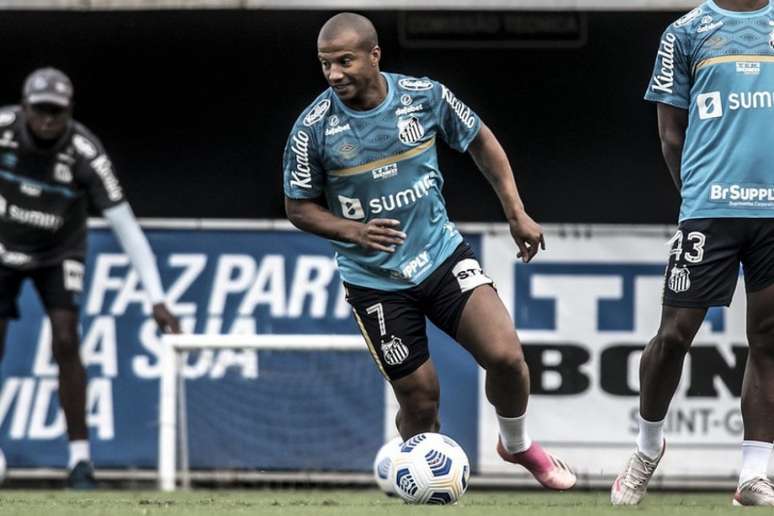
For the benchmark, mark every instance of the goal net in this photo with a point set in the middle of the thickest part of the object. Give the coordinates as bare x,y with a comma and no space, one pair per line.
250,403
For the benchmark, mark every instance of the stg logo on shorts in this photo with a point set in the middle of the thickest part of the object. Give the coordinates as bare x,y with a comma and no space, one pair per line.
469,274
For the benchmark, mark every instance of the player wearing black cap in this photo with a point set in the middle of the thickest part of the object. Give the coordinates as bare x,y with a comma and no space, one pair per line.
51,169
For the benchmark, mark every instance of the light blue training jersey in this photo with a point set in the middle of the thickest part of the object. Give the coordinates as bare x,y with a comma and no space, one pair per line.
382,163
719,65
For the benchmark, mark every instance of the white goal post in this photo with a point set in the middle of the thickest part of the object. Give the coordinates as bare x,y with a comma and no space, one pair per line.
174,346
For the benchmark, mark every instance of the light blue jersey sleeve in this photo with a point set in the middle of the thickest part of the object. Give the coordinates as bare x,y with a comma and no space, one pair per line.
671,79
304,177
458,125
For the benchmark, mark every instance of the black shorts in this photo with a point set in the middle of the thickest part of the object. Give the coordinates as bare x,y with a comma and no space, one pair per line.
393,323
704,260
59,286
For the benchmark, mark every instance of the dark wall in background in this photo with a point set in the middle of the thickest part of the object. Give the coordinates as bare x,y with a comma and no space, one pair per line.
195,106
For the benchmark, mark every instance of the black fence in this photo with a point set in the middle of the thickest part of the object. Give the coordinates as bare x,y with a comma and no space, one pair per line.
195,106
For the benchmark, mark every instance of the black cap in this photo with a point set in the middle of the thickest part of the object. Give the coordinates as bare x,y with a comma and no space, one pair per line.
48,86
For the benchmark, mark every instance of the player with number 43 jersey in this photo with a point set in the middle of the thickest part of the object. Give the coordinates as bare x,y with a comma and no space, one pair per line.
361,170
713,83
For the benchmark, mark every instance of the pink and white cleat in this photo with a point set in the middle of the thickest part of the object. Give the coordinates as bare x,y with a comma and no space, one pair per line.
551,472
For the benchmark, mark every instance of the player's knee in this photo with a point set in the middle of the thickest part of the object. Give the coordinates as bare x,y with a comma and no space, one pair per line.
507,359
761,341
64,347
672,340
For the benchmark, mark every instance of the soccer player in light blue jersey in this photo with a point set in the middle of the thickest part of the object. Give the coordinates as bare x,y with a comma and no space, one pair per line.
361,170
714,85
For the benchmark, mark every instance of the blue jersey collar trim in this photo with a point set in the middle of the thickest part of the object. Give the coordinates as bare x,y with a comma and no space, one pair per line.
378,109
738,14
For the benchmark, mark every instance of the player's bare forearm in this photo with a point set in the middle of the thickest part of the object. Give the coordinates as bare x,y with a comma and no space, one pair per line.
493,163
376,235
672,124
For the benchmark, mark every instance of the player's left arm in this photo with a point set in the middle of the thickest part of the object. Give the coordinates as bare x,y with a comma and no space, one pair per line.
135,244
491,159
95,171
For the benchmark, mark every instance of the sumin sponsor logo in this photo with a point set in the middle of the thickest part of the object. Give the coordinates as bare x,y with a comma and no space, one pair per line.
404,198
709,105
351,208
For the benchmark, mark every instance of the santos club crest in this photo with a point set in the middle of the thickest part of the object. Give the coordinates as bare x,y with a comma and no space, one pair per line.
394,351
679,279
410,130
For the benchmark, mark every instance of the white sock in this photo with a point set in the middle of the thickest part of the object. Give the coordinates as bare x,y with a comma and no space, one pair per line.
79,450
755,460
650,438
513,433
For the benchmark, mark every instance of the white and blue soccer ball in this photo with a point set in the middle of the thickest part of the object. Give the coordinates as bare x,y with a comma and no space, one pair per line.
431,469
383,465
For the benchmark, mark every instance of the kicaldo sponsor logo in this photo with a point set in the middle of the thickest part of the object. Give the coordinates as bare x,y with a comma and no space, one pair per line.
664,79
104,169
753,193
463,112
302,175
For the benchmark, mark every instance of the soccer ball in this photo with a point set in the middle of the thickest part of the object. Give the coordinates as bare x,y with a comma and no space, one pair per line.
383,465
431,468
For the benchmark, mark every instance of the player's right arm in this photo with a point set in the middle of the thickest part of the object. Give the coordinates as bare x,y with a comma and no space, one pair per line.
304,185
670,88
375,235
672,124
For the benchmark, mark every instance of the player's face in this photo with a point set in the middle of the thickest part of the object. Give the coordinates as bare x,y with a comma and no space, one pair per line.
347,66
47,121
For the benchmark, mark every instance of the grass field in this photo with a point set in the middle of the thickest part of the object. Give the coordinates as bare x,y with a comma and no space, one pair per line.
345,503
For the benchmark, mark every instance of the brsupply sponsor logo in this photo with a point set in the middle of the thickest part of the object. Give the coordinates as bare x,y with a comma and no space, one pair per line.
416,264
404,198
664,80
302,175
743,195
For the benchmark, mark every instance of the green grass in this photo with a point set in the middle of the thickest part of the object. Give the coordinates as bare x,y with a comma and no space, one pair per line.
345,503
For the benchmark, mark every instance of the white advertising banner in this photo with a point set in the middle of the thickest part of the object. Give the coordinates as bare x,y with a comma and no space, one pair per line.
585,309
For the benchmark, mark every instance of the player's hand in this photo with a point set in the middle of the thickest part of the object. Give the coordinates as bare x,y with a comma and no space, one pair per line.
380,235
528,236
167,322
